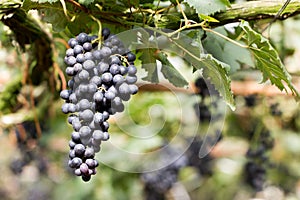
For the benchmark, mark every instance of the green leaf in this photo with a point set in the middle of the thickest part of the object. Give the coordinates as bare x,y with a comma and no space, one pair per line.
80,24
52,12
217,72
267,59
213,69
226,51
149,64
208,7
170,72
55,17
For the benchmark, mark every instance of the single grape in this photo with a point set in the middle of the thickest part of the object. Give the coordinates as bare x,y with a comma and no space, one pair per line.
75,162
106,77
71,118
115,41
78,49
82,38
109,95
87,46
76,124
89,152
85,132
88,64
79,149
92,88
80,58
77,68
105,33
114,60
102,67
73,98
75,137
133,89
98,118
98,135
115,50
72,154
65,108
72,144
86,178
105,51
108,44
123,70
130,57
70,71
72,42
105,125
96,80
65,94
83,75
98,96
88,56
131,79
70,52
90,163
71,83
97,54
131,70
84,168
86,115
72,108
83,104
114,69
77,172
124,89
105,115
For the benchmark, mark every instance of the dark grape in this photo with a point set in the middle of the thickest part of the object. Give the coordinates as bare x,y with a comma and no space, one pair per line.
105,33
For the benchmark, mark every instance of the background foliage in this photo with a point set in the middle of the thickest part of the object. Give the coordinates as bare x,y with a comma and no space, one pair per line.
34,133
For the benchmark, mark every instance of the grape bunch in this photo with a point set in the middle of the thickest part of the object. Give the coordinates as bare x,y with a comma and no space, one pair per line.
258,161
103,76
157,183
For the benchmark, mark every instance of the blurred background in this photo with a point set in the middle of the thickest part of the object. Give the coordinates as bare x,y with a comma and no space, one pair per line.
201,149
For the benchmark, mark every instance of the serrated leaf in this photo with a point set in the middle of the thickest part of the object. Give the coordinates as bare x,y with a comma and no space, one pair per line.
208,7
217,72
226,51
213,69
149,64
267,59
170,72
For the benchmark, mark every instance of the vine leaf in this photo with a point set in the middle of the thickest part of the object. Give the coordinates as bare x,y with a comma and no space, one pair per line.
226,51
267,59
170,72
208,7
149,64
217,72
212,68
55,17
52,11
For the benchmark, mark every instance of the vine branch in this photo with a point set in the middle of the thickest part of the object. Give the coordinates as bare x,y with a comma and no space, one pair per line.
257,10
